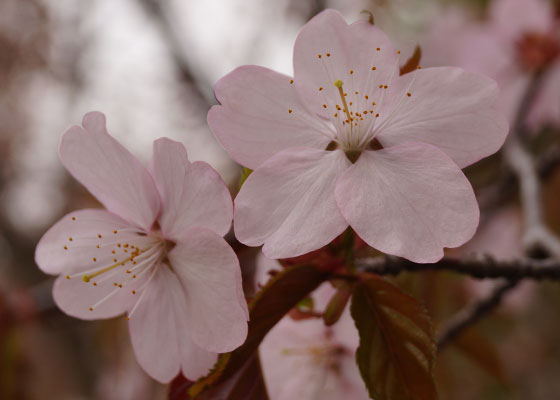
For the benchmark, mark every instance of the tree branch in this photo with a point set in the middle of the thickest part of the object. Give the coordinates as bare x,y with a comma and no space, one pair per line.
472,314
537,235
475,267
155,10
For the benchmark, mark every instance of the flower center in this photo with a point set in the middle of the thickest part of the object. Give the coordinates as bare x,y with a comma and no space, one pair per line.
124,259
353,121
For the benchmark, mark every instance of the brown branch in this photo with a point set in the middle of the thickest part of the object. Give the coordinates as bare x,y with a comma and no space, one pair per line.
472,314
475,267
156,10
537,235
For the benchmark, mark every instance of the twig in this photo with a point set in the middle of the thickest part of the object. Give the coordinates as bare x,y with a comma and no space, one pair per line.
495,196
472,314
537,235
475,267
156,11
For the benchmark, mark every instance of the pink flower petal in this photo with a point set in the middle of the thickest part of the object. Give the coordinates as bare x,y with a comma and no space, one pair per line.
448,108
288,203
191,194
348,53
512,18
209,272
409,200
161,332
262,114
72,244
547,105
307,360
109,171
82,300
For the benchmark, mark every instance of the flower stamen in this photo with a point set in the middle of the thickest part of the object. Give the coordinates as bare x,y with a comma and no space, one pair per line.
338,83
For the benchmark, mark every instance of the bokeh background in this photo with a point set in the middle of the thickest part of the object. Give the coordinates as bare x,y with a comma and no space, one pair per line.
150,66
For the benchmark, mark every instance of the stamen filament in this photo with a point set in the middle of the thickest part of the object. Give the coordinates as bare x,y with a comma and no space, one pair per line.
141,288
88,277
338,83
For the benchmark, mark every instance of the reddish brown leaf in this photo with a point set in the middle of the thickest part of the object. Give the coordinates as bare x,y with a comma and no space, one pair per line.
413,62
337,304
283,292
179,388
245,384
397,348
476,347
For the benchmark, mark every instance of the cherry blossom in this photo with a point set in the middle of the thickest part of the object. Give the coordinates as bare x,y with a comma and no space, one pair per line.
519,38
156,252
307,360
347,141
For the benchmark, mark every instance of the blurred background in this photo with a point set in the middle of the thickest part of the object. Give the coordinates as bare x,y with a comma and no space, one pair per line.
150,66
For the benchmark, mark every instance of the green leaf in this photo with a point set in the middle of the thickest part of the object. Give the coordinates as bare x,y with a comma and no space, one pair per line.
283,292
244,175
397,347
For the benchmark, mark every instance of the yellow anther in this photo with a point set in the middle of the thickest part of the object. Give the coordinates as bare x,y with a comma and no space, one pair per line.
338,83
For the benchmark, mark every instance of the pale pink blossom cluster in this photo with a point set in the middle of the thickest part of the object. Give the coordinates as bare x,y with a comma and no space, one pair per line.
349,142
345,142
155,253
517,39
